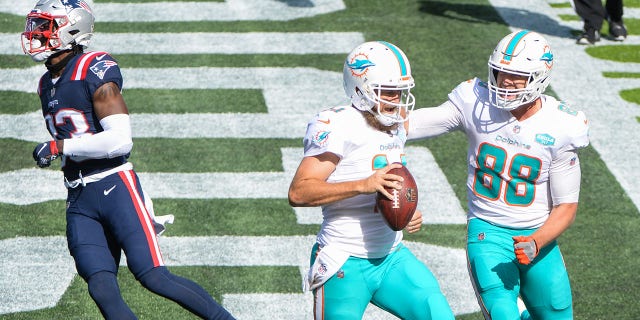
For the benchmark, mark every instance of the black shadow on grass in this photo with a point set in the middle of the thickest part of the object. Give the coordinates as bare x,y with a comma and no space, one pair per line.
520,18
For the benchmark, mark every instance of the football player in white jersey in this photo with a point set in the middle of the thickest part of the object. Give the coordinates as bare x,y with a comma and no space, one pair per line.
523,178
358,259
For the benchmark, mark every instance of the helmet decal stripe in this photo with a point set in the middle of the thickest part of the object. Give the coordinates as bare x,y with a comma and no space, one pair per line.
396,52
511,46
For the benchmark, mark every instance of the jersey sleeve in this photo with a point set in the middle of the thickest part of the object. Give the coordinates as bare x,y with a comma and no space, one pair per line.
564,178
575,126
323,135
466,93
96,69
431,122
580,134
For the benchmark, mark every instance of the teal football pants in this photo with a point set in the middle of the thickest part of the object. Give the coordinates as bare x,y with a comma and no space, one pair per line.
499,278
398,283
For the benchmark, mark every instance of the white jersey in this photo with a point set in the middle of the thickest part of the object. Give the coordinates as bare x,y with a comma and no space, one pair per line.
510,161
352,224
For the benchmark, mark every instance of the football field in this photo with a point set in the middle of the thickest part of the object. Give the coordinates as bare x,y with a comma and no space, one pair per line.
220,93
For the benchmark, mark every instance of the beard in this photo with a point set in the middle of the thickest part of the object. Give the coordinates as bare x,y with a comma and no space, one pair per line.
374,123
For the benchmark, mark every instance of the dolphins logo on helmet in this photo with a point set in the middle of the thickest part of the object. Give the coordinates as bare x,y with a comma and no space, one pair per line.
359,66
374,68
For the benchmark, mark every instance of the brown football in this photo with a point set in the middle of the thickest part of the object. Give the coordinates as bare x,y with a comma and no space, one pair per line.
399,210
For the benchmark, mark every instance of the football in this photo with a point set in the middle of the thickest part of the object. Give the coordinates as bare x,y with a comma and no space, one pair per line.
399,210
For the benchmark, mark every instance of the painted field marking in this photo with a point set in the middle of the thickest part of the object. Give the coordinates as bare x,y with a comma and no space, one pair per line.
42,270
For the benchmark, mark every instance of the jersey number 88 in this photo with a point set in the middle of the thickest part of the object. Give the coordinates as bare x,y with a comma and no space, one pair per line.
523,171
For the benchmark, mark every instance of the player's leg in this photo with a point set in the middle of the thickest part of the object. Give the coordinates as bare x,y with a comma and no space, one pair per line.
614,10
133,227
104,290
95,257
185,292
494,273
545,286
592,12
345,295
409,290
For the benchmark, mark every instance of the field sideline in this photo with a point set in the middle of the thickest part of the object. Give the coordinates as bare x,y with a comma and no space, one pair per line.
220,92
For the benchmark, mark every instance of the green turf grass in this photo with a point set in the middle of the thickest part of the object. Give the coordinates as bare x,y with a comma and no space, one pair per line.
621,75
14,102
626,53
205,155
631,95
447,42
76,303
329,62
207,101
20,154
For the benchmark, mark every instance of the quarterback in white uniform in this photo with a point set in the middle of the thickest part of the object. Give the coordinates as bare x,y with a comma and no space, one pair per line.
358,259
523,178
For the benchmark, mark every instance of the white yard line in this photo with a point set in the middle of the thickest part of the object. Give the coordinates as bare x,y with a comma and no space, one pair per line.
42,270
211,43
438,202
228,10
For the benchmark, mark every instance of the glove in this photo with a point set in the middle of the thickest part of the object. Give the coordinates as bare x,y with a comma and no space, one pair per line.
45,152
525,248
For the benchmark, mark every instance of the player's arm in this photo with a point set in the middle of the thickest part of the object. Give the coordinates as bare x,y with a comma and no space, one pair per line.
564,183
115,140
431,122
560,219
309,187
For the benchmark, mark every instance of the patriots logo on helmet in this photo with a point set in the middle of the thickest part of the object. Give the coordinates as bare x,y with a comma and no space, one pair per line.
101,67
359,66
75,4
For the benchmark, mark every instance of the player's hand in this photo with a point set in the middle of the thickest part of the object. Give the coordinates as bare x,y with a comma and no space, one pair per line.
45,152
416,222
525,248
381,179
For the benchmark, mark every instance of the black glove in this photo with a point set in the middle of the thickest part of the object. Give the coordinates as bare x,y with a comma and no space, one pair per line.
45,152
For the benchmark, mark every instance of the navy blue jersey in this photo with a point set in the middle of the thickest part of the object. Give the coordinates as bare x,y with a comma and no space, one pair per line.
67,106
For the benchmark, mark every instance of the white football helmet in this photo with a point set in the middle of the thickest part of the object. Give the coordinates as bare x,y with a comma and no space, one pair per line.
523,53
378,66
55,25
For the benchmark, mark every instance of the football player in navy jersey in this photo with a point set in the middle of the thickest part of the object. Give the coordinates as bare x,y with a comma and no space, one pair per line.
88,119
